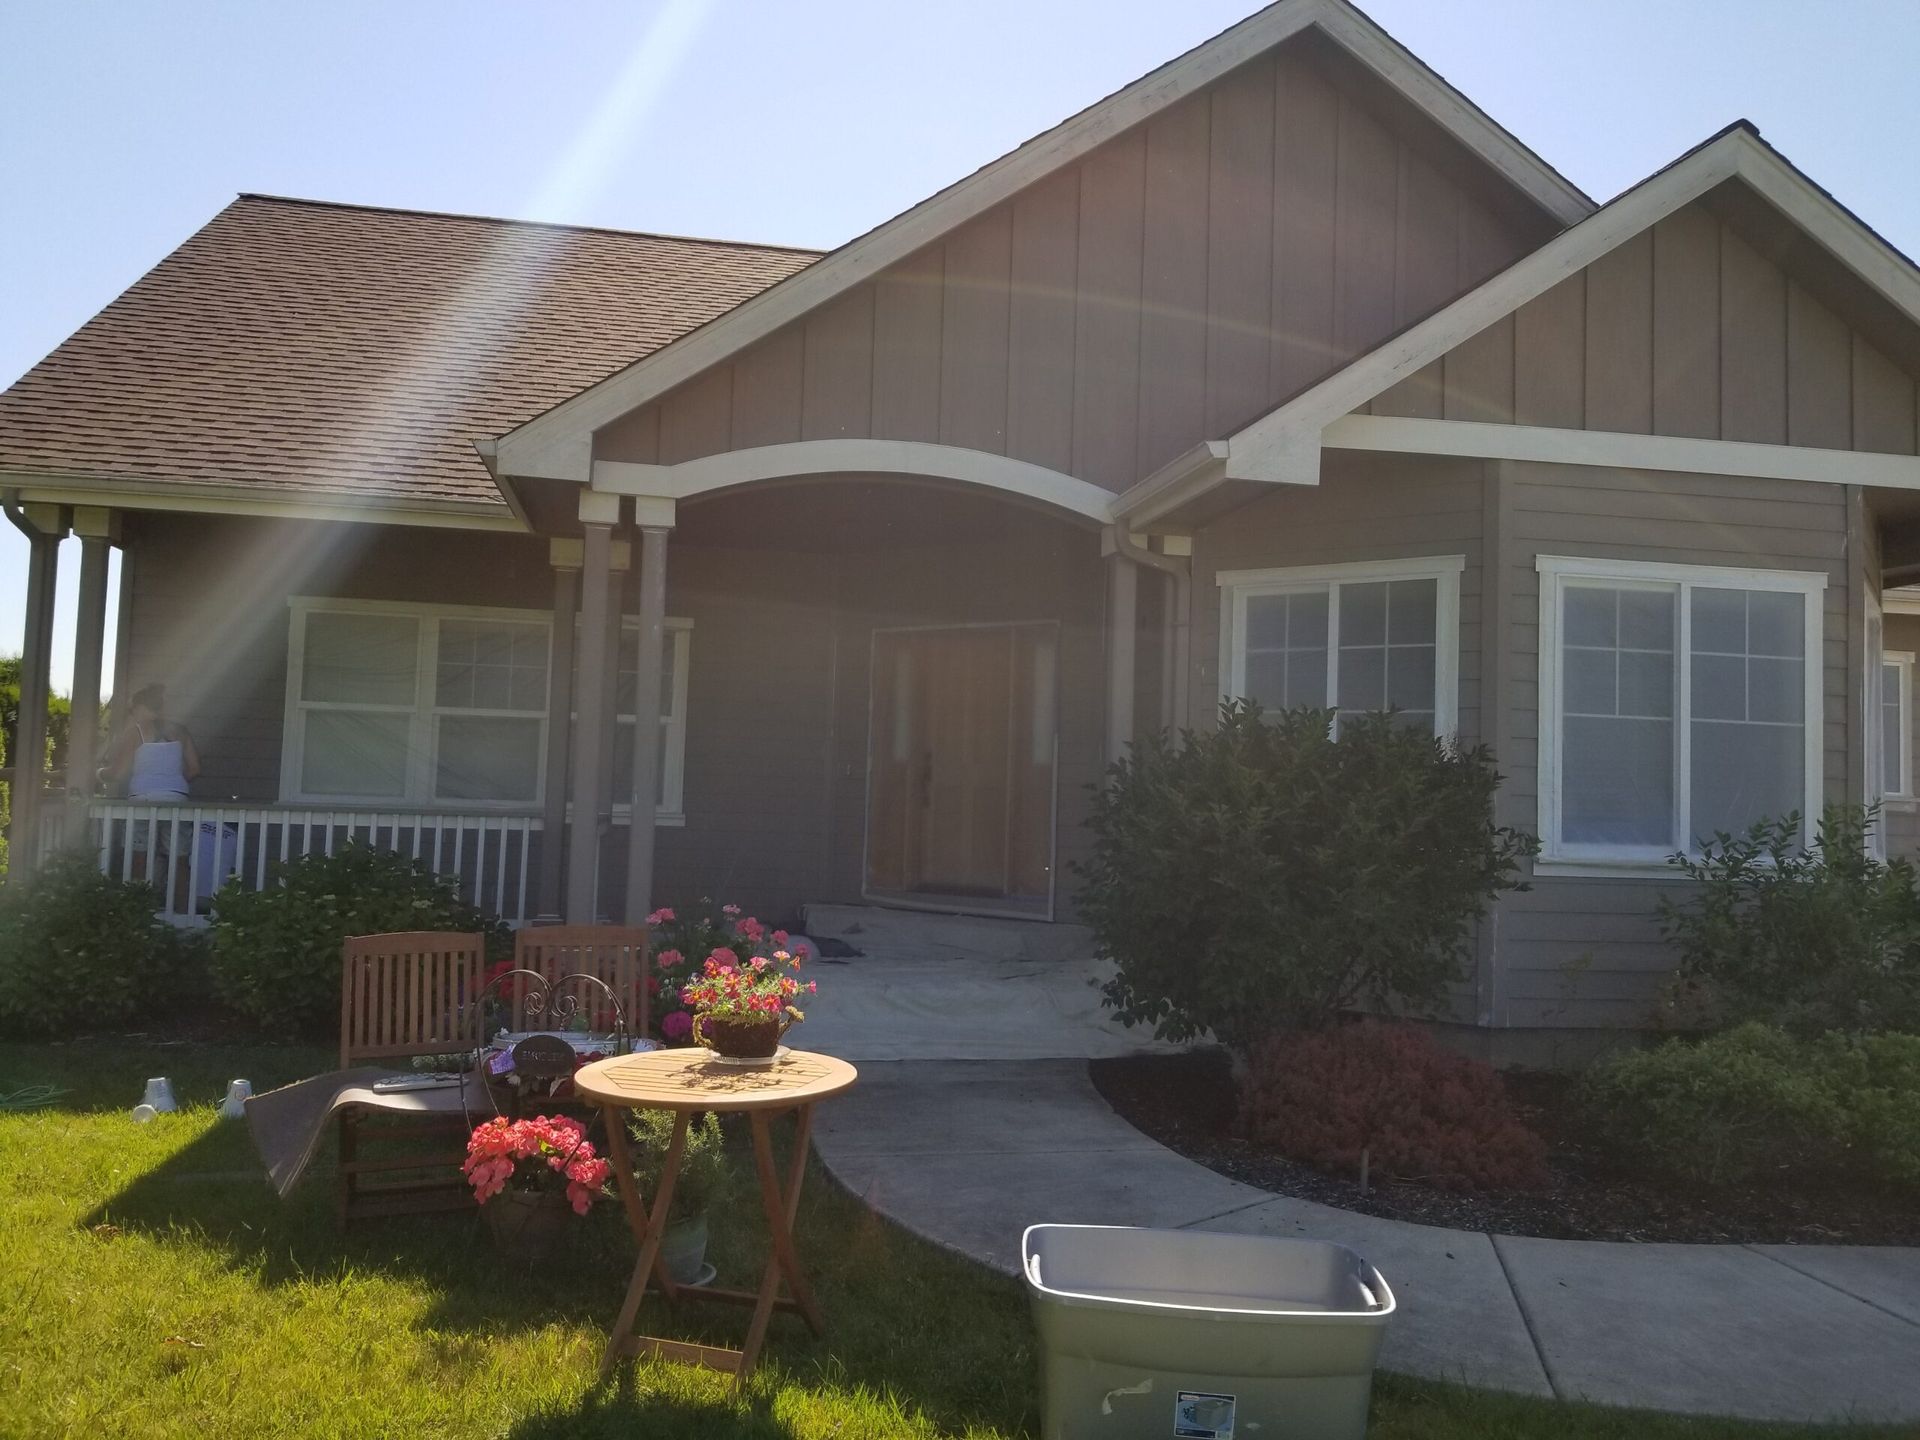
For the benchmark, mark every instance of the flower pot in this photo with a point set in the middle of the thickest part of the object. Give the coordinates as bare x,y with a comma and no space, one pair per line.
740,1039
683,1250
528,1223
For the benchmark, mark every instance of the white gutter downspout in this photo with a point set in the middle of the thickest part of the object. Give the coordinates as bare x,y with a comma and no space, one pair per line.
1176,620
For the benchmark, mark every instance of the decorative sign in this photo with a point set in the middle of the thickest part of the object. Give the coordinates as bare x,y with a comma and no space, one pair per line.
543,1057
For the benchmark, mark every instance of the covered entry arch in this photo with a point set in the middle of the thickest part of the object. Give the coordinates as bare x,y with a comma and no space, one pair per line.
933,544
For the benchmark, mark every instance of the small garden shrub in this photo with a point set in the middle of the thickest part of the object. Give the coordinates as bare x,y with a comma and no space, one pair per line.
1264,877
81,949
1826,938
276,952
1717,1111
1419,1111
1876,1080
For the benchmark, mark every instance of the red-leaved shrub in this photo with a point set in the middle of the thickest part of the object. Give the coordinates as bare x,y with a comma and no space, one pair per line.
1422,1112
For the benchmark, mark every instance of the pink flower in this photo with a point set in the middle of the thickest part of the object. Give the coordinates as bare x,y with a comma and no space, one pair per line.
669,959
722,961
729,909
751,928
660,916
677,1026
780,938
759,962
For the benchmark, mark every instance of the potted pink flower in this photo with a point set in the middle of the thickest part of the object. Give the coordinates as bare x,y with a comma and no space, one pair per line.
728,982
527,1175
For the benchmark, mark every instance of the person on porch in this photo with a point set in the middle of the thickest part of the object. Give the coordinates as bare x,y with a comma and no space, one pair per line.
154,758
152,755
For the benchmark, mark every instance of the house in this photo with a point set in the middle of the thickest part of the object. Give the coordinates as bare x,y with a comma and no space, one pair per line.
602,569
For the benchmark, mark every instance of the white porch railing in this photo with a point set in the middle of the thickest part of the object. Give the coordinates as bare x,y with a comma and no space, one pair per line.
189,851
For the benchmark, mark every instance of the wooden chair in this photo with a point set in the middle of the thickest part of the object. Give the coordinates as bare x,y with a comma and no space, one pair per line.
616,955
401,996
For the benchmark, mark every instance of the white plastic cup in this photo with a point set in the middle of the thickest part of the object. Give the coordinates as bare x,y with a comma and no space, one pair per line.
235,1105
160,1095
144,1114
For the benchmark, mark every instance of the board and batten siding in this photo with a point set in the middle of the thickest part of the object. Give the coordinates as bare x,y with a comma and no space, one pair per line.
1582,951
1683,330
1170,286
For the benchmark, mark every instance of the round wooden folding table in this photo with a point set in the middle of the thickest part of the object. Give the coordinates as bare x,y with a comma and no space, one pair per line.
689,1082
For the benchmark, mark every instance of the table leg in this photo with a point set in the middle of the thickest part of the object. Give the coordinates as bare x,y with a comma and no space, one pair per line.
651,1227
784,1261
628,1188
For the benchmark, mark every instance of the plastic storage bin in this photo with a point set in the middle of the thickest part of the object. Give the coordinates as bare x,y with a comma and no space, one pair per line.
1195,1336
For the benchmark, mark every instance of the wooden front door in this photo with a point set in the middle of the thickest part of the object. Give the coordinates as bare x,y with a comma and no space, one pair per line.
960,803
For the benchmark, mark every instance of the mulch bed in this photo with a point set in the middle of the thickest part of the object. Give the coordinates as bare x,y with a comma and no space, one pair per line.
1187,1103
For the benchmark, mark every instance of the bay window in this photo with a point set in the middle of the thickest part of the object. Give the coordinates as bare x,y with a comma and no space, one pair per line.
1676,702
397,705
1348,638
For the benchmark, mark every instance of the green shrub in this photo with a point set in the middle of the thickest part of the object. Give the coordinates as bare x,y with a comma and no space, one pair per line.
1876,1082
276,952
1826,938
1717,1111
1416,1110
78,948
1263,877
706,1181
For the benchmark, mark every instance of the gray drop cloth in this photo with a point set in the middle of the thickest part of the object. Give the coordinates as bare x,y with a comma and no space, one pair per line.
288,1124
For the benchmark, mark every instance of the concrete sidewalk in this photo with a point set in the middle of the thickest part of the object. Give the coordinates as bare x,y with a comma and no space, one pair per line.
968,1153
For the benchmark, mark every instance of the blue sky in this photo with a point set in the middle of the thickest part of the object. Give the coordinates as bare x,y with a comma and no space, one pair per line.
123,127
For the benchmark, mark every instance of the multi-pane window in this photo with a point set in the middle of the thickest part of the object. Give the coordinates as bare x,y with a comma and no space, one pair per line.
1896,725
490,705
1677,703
440,705
1353,639
673,715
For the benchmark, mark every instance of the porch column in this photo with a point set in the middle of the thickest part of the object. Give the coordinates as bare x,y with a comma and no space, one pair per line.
598,514
1123,612
95,528
565,559
646,717
44,526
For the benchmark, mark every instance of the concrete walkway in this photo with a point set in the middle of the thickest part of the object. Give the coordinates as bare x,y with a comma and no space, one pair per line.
999,1127
969,1153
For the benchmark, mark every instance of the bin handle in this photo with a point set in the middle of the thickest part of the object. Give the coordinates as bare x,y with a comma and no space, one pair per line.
1033,1269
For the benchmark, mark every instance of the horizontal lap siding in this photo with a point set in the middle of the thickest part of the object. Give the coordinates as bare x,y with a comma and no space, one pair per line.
1173,284
1683,330
1577,951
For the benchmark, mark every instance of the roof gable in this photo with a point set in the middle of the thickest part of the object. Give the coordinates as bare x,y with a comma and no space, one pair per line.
1735,168
558,444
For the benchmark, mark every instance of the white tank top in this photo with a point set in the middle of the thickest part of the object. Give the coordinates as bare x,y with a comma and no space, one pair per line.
159,770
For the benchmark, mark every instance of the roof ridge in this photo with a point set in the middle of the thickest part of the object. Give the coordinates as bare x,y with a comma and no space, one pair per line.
262,196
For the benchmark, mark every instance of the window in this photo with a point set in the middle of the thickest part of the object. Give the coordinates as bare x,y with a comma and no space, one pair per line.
1896,725
1350,638
438,705
1676,702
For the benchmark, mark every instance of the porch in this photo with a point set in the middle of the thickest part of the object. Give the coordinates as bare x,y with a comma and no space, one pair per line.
844,688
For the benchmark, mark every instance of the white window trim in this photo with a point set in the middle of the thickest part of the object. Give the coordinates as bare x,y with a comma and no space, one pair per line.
1639,862
1239,586
421,732
1902,660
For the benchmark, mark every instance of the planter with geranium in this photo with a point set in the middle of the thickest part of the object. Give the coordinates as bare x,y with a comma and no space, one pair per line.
530,1176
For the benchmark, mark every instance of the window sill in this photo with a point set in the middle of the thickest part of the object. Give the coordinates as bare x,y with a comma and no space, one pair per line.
662,819
1559,869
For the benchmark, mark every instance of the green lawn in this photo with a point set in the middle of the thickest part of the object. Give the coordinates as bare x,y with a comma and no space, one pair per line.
154,1287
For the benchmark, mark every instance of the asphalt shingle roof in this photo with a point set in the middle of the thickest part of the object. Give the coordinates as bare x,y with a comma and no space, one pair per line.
302,345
